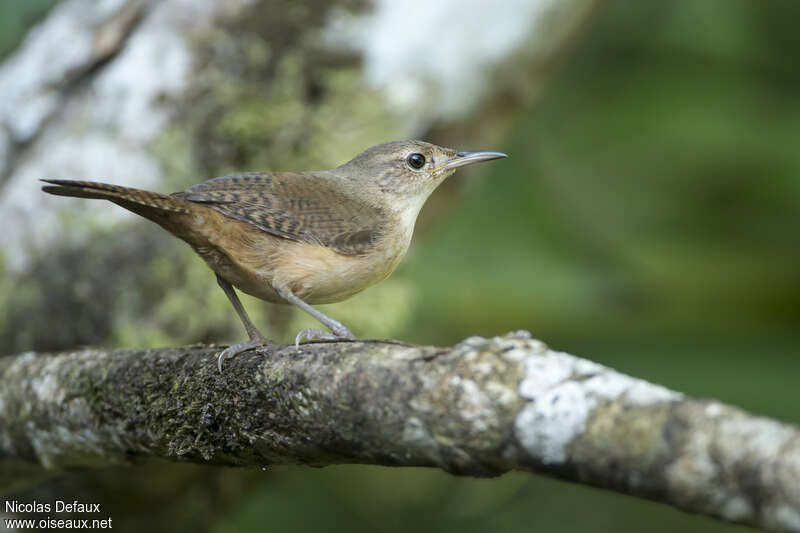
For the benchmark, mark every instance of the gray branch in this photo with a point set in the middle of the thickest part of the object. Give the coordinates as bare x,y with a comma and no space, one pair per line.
480,408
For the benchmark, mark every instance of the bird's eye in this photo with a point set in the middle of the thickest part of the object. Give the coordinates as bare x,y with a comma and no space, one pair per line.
415,161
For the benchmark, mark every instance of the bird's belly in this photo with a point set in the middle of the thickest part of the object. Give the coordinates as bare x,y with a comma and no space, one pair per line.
247,276
314,273
317,274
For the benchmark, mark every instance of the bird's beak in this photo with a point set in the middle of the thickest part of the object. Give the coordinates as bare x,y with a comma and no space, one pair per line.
467,158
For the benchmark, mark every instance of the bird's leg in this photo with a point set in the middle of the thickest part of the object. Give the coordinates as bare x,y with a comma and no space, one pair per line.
256,338
339,331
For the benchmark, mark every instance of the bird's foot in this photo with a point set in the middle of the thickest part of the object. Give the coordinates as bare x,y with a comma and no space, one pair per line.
235,349
312,334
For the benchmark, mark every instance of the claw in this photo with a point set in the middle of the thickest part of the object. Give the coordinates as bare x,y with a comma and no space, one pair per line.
235,349
312,334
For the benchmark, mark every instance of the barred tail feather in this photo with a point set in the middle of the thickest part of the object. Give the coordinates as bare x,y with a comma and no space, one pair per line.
115,193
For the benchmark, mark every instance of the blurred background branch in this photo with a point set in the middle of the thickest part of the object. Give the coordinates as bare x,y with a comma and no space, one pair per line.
480,408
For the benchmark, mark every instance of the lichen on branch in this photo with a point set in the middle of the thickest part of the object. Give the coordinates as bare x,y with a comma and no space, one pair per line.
480,408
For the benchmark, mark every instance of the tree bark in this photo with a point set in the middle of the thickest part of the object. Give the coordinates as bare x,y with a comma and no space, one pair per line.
480,408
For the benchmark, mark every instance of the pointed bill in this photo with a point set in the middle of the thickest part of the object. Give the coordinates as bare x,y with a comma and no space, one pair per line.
467,158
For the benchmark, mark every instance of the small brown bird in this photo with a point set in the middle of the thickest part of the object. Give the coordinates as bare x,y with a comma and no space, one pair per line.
298,237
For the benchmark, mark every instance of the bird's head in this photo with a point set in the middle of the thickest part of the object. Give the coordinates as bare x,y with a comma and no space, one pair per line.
407,172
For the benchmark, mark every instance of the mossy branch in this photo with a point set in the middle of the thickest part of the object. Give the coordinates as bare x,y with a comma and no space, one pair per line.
480,408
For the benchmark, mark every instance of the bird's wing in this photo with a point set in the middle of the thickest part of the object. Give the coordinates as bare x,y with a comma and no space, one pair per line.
294,206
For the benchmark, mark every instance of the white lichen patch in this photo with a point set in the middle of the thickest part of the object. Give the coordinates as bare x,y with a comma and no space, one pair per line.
695,463
501,393
741,436
519,351
546,427
480,385
714,409
474,405
416,434
542,374
406,353
21,361
47,388
481,388
611,385
737,509
786,518
54,443
17,371
562,391
47,385
55,426
415,431
725,442
788,476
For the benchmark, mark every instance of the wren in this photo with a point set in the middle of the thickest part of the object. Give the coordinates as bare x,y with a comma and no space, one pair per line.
298,238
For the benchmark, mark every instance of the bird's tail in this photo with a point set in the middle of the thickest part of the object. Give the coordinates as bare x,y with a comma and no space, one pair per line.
127,197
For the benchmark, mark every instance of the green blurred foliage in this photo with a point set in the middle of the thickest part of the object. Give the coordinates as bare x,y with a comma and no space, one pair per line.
367,499
15,17
653,189
647,218
648,214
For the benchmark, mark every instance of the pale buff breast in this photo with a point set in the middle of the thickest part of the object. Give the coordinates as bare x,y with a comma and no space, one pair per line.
255,262
313,272
319,275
